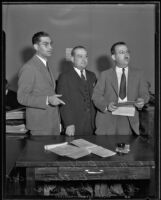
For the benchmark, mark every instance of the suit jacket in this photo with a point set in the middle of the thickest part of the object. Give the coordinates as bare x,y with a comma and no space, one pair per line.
106,91
34,85
75,110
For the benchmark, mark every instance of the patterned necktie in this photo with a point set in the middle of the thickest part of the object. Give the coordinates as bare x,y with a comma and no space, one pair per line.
122,93
82,76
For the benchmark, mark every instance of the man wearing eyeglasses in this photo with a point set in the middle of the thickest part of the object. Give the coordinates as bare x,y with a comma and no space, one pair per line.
36,89
119,86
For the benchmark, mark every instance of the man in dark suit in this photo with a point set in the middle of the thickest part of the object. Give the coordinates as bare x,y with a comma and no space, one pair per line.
119,84
76,87
36,89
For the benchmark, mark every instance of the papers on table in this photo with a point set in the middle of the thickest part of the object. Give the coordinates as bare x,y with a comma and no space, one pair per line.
78,148
65,149
83,143
102,152
52,146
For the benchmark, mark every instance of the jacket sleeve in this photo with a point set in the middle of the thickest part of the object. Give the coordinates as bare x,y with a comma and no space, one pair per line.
143,88
25,94
65,110
98,93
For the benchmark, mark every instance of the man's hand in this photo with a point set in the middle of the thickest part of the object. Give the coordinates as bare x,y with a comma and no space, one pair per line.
112,106
139,103
54,100
70,130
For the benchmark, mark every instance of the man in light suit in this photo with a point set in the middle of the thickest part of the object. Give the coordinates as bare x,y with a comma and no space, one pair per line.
36,89
106,95
76,87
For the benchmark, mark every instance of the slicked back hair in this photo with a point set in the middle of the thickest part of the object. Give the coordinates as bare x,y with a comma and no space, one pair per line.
36,37
75,48
114,46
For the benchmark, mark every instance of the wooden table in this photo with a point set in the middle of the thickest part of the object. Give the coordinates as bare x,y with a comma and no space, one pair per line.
41,165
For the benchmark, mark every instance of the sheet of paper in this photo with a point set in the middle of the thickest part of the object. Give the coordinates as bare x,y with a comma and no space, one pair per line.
125,103
125,111
65,150
82,143
51,146
101,151
80,152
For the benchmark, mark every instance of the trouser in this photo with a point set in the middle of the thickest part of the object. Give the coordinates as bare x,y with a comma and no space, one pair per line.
123,126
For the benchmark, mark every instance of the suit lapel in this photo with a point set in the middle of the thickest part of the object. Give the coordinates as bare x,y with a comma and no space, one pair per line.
77,81
90,82
46,74
114,80
130,84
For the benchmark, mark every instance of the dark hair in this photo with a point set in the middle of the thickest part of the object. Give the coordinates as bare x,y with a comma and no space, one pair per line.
114,45
75,48
36,37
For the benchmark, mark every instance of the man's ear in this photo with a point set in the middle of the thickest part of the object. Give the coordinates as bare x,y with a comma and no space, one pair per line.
113,56
36,47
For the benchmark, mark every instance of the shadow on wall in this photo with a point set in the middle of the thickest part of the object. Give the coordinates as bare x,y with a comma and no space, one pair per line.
27,53
65,65
104,62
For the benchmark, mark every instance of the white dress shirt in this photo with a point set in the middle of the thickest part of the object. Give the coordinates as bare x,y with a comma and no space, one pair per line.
42,59
79,72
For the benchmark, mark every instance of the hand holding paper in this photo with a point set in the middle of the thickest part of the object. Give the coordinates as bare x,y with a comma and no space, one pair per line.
139,103
125,108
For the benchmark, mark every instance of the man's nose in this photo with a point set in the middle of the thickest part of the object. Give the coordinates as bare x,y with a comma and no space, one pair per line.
50,47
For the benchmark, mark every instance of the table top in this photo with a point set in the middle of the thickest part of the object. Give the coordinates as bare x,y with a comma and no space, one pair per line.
34,155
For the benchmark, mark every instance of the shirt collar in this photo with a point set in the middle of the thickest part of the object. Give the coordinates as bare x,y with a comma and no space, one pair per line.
42,59
119,69
79,71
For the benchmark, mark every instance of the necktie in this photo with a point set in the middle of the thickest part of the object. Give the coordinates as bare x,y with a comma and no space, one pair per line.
47,66
122,93
82,76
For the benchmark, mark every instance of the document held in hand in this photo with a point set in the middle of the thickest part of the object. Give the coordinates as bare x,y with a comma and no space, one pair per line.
128,110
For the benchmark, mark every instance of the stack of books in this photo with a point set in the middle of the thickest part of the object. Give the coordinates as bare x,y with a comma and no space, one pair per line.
15,122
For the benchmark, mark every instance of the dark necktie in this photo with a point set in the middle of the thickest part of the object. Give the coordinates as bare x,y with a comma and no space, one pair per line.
82,76
47,66
122,93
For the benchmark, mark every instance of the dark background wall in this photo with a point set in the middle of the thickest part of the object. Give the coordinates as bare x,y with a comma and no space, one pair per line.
96,26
